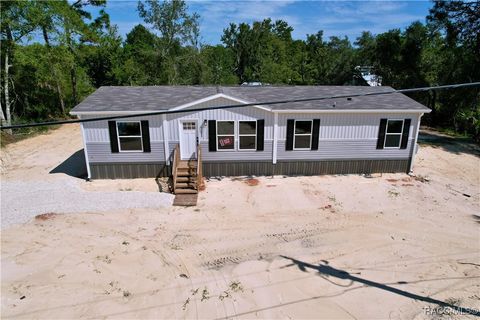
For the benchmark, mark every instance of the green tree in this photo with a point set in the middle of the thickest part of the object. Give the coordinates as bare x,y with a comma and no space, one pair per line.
17,22
176,27
366,45
459,61
261,51
219,65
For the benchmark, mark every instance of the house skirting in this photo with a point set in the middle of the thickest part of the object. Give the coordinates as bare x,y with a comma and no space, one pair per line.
305,168
253,168
129,170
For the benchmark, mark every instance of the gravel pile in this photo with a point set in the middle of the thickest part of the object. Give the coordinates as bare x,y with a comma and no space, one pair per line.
22,201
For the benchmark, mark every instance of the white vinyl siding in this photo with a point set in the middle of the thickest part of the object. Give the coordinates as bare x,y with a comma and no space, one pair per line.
345,136
97,131
100,152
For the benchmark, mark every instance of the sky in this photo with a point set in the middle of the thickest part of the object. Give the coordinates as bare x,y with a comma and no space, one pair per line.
335,18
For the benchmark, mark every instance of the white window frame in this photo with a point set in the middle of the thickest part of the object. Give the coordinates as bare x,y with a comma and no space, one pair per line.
118,136
302,134
393,134
247,135
226,135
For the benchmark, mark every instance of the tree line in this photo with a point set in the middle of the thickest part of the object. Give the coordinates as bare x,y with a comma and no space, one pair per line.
76,53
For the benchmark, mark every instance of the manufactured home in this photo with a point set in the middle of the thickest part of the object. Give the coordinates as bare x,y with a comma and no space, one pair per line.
358,134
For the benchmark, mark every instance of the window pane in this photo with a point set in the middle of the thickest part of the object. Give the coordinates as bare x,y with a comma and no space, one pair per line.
189,126
392,140
225,127
129,144
302,142
303,127
247,142
248,127
226,143
128,128
395,126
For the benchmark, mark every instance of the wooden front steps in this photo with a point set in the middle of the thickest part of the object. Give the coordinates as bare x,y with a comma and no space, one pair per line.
187,175
186,190
185,200
186,179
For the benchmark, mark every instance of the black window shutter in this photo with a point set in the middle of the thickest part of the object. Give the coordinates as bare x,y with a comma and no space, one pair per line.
406,132
112,130
212,135
381,133
315,134
145,136
290,129
260,134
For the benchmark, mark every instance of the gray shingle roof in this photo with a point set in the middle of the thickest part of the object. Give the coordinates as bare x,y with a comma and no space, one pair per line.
157,98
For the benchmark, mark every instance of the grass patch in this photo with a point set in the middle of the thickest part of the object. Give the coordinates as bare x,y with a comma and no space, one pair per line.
236,286
393,193
24,133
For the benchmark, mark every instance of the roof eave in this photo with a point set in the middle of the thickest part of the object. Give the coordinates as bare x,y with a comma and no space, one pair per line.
353,111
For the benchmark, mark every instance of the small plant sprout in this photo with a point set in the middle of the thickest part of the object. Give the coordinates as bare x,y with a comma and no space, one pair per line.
236,286
205,294
184,306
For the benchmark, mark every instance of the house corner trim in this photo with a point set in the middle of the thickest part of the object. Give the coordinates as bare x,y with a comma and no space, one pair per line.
414,147
165,138
85,152
275,137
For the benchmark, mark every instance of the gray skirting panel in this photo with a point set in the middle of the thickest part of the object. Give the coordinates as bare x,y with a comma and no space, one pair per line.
254,168
129,170
305,168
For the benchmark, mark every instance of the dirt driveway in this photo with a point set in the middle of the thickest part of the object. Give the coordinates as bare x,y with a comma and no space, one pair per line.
332,247
47,174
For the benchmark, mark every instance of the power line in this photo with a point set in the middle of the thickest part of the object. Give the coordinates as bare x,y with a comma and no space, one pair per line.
153,113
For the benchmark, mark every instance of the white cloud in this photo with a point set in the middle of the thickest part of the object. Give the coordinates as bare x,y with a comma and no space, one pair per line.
125,27
306,17
350,18
217,15
122,4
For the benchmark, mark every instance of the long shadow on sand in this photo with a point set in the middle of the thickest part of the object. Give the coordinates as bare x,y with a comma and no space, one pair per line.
450,144
73,166
326,270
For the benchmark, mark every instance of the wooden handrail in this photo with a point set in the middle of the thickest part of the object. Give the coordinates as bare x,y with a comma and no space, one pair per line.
199,168
176,153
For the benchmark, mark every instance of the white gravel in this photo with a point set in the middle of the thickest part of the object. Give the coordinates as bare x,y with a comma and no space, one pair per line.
21,201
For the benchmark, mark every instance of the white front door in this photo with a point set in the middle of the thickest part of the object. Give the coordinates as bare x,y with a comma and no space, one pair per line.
188,140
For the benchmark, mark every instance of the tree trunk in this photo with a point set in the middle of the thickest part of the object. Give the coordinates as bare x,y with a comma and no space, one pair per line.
55,74
433,106
7,117
73,71
73,79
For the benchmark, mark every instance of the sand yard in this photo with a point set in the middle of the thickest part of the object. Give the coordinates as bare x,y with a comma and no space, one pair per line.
389,246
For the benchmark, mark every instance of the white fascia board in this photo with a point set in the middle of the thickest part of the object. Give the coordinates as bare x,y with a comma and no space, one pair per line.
245,102
275,138
354,111
79,113
85,152
415,141
216,96
183,106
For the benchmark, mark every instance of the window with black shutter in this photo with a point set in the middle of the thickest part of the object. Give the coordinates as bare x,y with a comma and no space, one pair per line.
247,135
393,133
260,134
212,135
112,130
